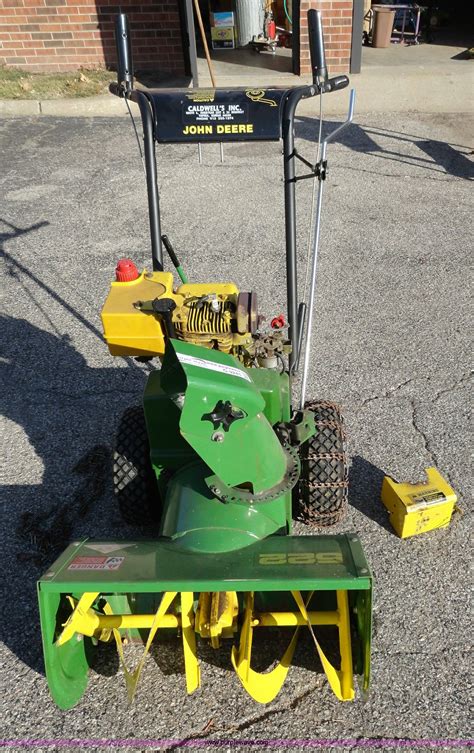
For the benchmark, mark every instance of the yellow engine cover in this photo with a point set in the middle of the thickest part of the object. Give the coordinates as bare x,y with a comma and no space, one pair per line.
129,331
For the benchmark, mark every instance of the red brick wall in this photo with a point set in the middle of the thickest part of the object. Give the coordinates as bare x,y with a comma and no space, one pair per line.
61,35
337,26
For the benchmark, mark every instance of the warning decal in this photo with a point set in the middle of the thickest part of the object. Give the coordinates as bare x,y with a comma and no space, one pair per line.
96,563
222,367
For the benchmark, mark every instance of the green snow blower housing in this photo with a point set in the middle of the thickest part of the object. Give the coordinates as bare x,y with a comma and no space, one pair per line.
216,460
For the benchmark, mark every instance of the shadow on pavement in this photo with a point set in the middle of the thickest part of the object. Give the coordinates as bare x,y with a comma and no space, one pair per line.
65,409
448,158
67,412
19,272
435,156
365,486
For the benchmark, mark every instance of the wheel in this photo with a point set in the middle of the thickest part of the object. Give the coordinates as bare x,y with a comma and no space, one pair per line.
321,493
135,484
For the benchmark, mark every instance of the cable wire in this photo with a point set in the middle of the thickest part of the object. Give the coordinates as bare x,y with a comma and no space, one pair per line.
136,135
313,200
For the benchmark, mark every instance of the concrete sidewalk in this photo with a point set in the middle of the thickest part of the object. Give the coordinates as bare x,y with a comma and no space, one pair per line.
416,79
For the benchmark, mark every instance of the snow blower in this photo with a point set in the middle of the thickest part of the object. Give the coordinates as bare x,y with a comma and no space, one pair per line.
221,452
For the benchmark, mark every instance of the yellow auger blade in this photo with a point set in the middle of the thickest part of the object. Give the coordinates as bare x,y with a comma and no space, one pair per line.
132,677
341,682
80,619
263,687
191,664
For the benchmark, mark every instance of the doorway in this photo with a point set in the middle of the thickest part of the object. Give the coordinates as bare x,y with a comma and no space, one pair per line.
250,42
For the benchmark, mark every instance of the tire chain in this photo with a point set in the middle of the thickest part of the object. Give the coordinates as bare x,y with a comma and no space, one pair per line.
329,468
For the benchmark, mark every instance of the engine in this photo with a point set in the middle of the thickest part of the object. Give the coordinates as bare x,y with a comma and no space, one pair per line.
223,319
139,314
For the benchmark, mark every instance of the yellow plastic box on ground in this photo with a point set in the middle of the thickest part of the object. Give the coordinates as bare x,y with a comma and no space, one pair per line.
222,37
417,508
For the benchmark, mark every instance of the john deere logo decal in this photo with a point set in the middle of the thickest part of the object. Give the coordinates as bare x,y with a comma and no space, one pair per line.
258,95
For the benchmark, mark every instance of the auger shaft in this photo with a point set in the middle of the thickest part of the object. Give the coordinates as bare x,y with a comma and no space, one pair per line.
94,622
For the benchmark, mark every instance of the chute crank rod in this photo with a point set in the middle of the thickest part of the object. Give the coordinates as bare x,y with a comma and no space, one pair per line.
321,175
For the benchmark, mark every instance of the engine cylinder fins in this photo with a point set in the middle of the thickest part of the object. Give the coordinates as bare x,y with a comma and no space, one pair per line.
207,317
224,343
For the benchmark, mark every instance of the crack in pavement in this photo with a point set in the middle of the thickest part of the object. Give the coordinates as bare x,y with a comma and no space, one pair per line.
246,723
465,379
388,393
284,706
426,441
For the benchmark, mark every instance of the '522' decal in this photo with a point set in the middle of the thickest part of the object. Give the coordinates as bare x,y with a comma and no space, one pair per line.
301,558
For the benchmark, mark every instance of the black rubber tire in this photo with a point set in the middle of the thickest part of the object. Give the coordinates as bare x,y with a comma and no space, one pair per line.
322,491
135,485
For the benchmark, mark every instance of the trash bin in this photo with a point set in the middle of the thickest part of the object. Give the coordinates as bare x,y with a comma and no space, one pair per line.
383,25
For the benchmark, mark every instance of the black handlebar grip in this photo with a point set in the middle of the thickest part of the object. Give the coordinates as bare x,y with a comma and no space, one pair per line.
336,83
115,89
316,46
124,52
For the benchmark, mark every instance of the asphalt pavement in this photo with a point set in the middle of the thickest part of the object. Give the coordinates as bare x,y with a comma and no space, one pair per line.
391,344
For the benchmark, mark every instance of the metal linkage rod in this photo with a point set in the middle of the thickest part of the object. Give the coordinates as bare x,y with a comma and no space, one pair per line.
288,133
315,246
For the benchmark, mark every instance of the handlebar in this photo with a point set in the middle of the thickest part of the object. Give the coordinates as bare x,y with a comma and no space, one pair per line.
124,52
335,84
316,43
316,46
